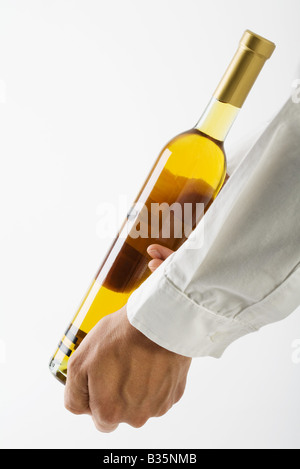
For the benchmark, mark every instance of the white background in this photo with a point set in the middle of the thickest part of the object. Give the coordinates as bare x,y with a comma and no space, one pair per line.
90,91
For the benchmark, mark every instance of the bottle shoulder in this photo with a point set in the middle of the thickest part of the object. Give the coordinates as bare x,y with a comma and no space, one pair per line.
193,154
195,134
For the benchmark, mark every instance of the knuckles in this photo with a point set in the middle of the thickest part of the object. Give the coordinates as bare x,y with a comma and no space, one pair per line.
138,421
111,415
69,406
103,427
106,418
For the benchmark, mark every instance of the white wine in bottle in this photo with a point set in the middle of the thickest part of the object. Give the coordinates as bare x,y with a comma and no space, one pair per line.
190,170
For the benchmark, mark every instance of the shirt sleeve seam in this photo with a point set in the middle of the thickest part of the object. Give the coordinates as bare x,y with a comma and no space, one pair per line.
218,317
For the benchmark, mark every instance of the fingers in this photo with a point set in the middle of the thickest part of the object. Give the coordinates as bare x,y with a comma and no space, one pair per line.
159,252
76,390
154,264
105,411
79,399
103,426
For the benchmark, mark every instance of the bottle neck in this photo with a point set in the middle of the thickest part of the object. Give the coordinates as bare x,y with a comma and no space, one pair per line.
217,119
235,85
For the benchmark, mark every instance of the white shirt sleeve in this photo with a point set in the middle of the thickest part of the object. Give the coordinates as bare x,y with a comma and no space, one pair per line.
244,273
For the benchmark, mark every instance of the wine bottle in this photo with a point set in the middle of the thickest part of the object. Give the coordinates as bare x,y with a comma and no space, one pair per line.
189,172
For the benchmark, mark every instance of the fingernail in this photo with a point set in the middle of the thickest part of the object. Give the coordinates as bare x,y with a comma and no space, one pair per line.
151,266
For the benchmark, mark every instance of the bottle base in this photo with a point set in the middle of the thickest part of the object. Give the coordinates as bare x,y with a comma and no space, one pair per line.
57,371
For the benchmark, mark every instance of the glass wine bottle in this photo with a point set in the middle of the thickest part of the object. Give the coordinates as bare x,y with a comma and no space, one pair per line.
188,173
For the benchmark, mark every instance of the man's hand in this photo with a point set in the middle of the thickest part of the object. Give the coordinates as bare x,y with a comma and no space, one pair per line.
159,254
119,375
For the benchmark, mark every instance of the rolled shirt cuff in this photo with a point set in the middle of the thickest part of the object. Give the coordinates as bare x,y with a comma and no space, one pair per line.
171,319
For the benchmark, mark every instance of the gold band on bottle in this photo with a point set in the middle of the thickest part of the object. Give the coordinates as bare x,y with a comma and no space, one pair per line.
244,68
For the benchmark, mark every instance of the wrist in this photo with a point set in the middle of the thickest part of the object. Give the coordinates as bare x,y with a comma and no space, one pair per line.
135,336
